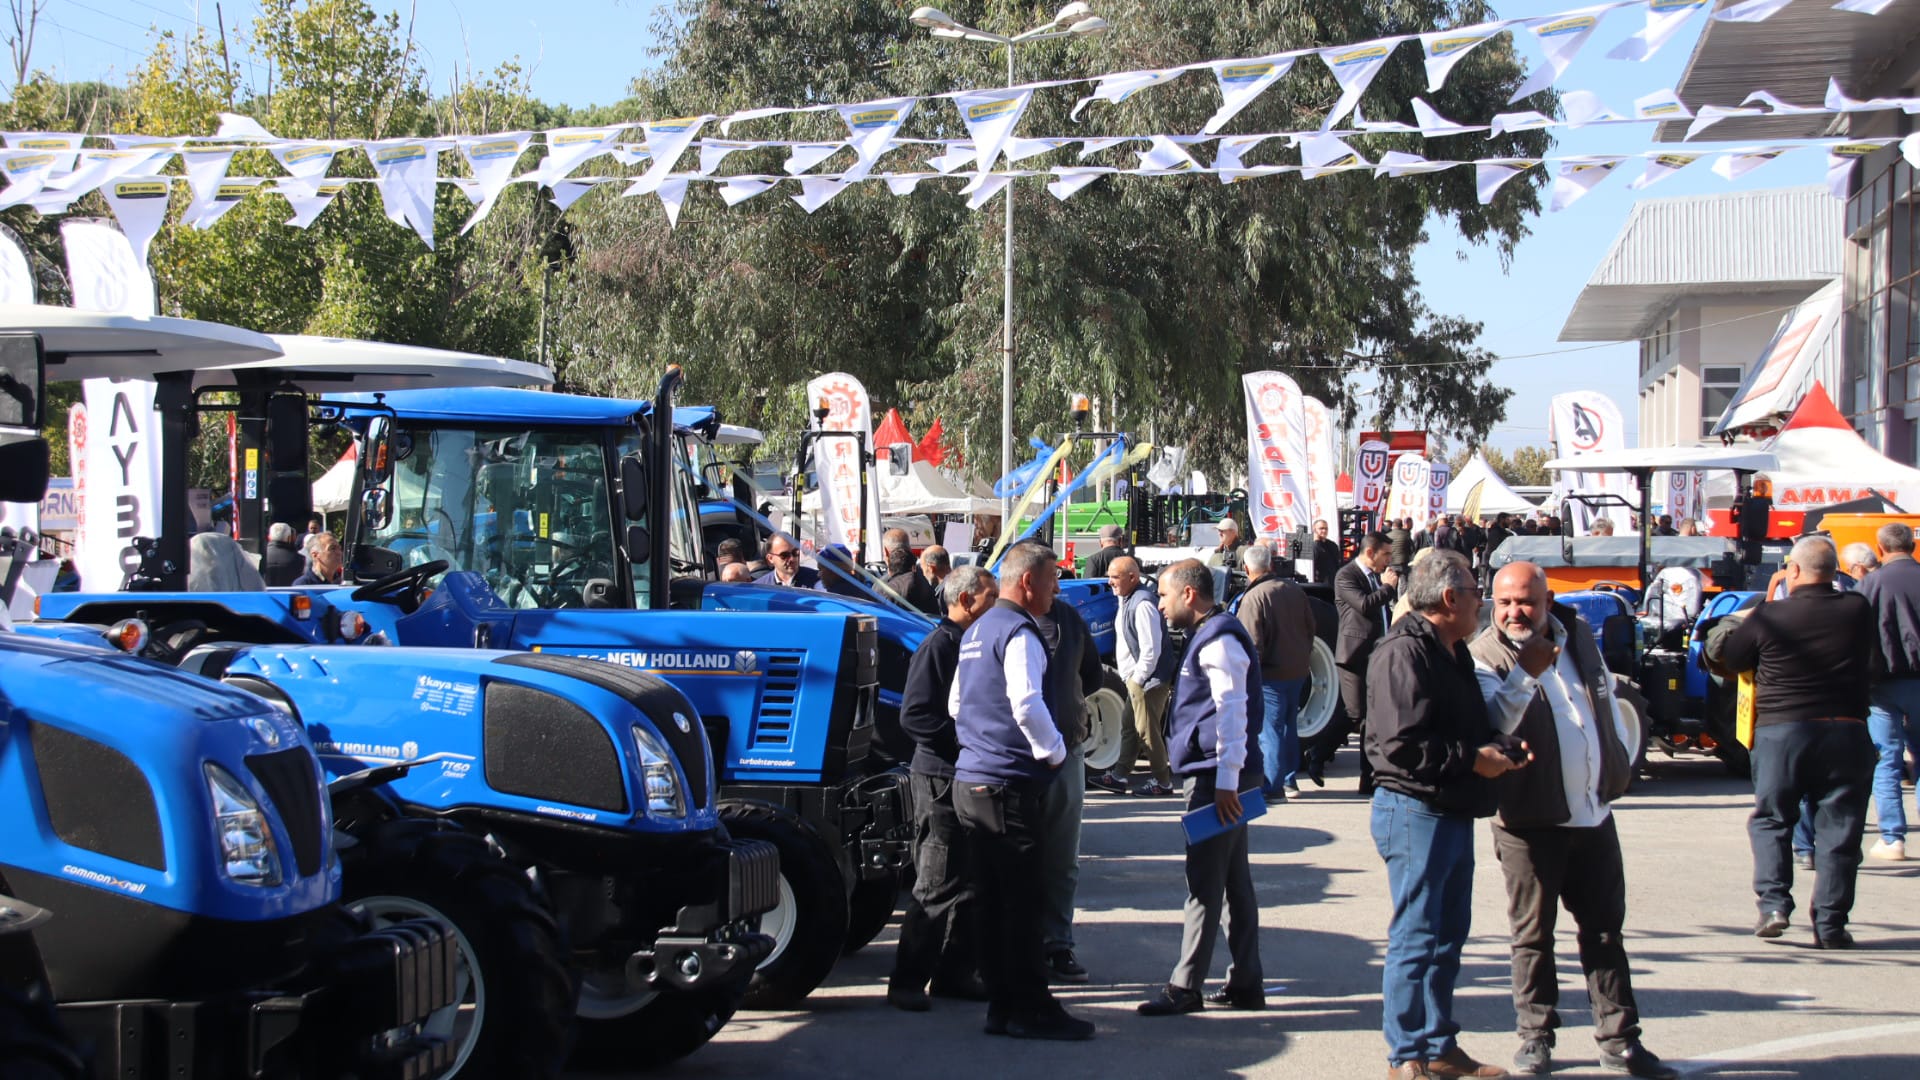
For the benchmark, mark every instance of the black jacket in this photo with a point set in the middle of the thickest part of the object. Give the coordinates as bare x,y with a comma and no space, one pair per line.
1813,655
1073,669
281,564
923,701
1426,720
1099,561
1326,561
1359,606
1400,543
1894,592
918,591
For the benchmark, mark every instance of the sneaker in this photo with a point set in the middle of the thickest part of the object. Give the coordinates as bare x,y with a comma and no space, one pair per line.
1637,1060
1803,860
1154,789
1888,852
1109,783
1535,1057
1293,791
1063,968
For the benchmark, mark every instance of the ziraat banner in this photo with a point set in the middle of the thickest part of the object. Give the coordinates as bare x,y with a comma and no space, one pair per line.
1278,497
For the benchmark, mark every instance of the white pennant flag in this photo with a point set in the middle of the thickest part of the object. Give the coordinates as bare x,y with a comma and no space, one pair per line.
206,168
228,195
570,148
409,174
1750,11
1018,149
491,160
62,147
817,191
1431,123
96,168
140,205
1354,67
1910,149
1840,161
306,162
1528,120
666,141
307,204
1090,147
1583,107
1443,48
1781,108
466,186
1490,176
1119,87
1071,179
629,154
874,126
1837,101
739,189
985,187
1661,166
1322,154
904,183
1733,166
26,175
990,117
672,192
1578,175
1243,80
1709,115
1561,37
1364,124
1397,163
568,192
715,151
1664,19
957,156
806,155
1660,105
1230,151
1863,7
1163,155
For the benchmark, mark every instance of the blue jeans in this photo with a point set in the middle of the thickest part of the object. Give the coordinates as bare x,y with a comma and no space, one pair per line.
1429,860
1894,723
1279,734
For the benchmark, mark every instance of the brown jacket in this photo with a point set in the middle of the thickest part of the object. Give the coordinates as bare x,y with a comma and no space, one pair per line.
1535,796
1281,621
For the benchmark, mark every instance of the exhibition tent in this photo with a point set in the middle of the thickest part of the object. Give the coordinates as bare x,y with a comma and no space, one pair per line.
1824,461
1495,498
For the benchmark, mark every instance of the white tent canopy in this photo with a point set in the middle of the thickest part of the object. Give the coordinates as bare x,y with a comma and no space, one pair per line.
1495,498
1822,461
332,491
924,490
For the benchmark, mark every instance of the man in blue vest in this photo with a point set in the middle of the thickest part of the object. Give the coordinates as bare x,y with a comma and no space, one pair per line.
1010,753
1211,745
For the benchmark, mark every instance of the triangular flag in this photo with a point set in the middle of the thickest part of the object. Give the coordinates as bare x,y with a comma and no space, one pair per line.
94,168
1443,48
1090,147
987,186
1354,67
1660,105
1863,7
1018,149
306,162
990,117
1431,123
817,191
1733,166
874,126
1230,151
1120,86
1322,154
1490,176
958,156
1580,108
904,183
1162,153
1243,80
491,160
1910,149
666,141
1750,11
806,155
715,151
1561,37
1577,176
1664,19
1710,115
308,203
1840,161
1397,163
1661,166
739,189
140,205
568,192
1526,120
409,178
206,168
570,148
1070,179
228,195
672,192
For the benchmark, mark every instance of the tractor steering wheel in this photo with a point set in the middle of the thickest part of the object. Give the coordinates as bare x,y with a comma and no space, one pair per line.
404,589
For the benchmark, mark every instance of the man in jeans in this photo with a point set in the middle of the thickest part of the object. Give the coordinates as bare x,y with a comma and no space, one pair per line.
1281,621
1434,754
1894,719
937,932
1145,664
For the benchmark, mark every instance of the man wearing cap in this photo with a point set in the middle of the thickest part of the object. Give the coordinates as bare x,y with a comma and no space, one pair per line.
1113,544
1230,541
784,555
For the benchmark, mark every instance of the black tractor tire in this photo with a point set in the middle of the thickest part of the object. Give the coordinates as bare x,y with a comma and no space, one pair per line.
1321,743
1721,701
868,911
525,992
810,927
1640,723
33,1045
666,1029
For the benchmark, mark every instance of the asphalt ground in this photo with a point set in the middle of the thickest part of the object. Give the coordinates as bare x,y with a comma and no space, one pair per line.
1714,999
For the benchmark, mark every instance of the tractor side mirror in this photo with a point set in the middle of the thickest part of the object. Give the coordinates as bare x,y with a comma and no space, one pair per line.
23,470
1566,537
379,451
376,508
633,492
23,368
639,544
900,459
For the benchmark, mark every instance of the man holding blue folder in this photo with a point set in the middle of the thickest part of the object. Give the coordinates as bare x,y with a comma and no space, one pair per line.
1210,745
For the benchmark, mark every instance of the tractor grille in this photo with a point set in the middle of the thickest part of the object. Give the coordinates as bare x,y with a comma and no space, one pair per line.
294,790
779,703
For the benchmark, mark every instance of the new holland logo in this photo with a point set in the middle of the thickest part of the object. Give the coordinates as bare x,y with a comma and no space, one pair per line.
409,750
874,118
992,108
394,155
1449,46
1567,26
141,189
1362,55
308,153
745,662
1241,73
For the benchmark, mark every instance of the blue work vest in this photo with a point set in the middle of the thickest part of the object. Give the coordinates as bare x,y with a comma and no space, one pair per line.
1192,722
993,749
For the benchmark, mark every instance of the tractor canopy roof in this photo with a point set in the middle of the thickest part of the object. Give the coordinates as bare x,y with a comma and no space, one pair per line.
1699,552
501,405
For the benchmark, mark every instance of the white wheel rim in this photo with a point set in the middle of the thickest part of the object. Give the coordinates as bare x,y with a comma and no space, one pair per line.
1631,726
780,923
1323,692
604,996
461,1022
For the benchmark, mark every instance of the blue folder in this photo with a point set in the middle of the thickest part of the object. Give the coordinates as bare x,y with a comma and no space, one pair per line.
1205,823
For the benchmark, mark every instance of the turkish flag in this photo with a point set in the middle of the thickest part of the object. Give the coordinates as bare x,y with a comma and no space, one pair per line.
930,450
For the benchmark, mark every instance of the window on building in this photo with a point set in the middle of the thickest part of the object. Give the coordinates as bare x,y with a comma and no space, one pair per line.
1718,383
1882,339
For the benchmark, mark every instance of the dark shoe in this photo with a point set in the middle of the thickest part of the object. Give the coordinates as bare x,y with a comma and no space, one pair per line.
1251,999
1063,968
1172,1001
1408,1070
1317,772
1154,789
1803,859
967,989
1833,939
1276,797
1455,1062
1771,925
1535,1057
996,1023
1110,784
1637,1060
1056,1026
907,999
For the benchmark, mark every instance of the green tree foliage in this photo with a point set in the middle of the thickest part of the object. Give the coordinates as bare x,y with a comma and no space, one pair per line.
1525,467
1155,294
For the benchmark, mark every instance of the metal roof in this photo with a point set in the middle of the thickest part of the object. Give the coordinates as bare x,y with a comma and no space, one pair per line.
1727,244
1668,458
1792,54
98,345
488,405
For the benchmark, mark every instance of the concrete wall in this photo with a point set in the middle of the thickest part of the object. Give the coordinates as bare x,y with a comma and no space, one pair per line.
1711,331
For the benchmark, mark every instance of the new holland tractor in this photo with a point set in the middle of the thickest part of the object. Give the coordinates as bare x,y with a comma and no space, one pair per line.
559,814
170,875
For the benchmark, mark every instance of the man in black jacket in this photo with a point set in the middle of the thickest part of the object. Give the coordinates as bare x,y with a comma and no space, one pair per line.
937,939
903,576
1326,555
1434,754
1545,683
282,561
1814,656
1894,720
1363,594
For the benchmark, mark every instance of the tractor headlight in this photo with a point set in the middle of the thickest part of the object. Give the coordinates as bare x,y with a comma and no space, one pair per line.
247,850
657,775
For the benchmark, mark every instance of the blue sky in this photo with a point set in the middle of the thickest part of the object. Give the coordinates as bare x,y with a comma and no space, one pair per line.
584,51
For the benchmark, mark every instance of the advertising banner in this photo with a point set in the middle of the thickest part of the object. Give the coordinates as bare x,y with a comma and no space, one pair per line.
1370,479
1587,422
1411,493
1278,497
836,462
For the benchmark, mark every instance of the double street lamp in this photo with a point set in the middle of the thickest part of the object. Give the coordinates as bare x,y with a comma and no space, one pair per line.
1073,20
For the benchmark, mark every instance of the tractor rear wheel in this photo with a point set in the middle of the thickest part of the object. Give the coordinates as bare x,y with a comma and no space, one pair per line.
809,925
33,1045
1634,725
868,911
1322,722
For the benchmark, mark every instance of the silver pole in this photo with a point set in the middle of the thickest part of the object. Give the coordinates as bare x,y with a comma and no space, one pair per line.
1006,344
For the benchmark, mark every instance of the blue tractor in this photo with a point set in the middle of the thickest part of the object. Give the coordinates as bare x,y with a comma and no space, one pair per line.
171,879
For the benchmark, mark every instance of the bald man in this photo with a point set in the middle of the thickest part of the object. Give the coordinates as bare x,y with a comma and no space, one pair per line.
1545,682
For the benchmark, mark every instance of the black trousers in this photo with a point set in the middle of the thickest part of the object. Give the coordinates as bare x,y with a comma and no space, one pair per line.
1581,868
1004,824
1830,764
937,938
1353,695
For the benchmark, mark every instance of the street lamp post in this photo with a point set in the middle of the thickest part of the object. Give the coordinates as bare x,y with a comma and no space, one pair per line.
1072,20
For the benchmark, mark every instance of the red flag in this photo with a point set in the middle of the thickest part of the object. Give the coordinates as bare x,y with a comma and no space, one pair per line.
930,450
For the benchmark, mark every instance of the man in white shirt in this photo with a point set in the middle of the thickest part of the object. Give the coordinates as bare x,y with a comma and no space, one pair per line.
1139,650
1545,682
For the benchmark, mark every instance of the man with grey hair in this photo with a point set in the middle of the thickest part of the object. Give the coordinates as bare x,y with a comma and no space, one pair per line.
1894,719
1814,656
1857,560
282,562
1276,613
1146,666
1113,544
1435,753
937,941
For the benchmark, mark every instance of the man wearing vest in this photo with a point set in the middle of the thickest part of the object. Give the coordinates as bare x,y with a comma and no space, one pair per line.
1210,741
1277,615
1146,665
1434,753
936,933
1545,682
1010,752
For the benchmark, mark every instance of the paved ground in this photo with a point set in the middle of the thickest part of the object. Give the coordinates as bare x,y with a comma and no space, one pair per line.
1727,1003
